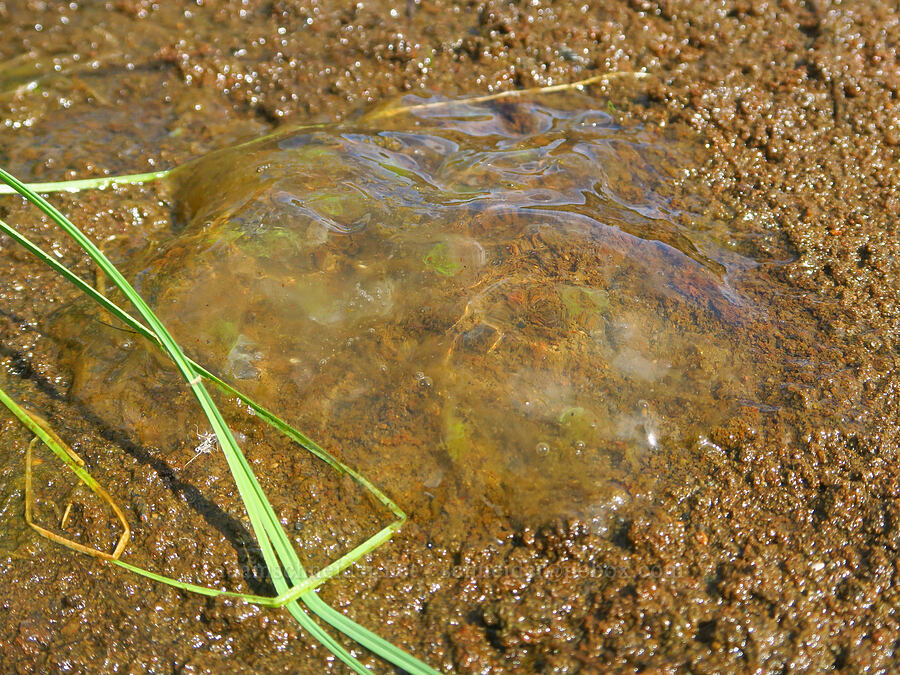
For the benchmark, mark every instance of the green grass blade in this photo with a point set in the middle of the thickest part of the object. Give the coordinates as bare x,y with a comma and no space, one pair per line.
49,441
273,541
260,514
39,431
104,182
367,638
88,183
273,420
260,600
374,642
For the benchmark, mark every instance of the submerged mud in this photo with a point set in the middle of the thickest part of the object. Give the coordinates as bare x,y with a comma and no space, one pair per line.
762,540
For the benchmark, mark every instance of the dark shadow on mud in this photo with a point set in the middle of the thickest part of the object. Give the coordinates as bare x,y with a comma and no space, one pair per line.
239,537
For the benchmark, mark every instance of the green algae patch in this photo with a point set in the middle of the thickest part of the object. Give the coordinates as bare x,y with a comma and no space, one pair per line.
440,260
578,425
583,305
457,436
225,333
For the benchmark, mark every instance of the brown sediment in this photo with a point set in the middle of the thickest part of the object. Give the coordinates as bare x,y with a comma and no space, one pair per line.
769,543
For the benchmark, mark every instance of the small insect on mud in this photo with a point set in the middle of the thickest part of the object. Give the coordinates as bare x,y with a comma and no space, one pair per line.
207,442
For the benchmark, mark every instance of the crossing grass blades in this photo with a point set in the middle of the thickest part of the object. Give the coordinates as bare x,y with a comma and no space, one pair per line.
292,583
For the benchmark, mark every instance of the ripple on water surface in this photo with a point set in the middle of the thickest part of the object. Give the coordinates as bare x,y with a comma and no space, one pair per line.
499,297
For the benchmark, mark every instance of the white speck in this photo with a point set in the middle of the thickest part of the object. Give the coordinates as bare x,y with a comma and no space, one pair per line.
207,442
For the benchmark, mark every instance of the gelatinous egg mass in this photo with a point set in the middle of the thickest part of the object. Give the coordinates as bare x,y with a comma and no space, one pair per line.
500,301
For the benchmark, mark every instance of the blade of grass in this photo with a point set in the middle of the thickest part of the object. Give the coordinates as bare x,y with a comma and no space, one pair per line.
104,182
511,93
42,431
88,183
273,541
248,488
270,418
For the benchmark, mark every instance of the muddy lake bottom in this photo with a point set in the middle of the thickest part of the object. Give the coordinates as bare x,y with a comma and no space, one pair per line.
625,355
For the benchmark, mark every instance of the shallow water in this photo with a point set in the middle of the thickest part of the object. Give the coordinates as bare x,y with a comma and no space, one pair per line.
504,290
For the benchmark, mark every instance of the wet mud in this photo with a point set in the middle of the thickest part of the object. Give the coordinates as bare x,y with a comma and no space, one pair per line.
626,356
